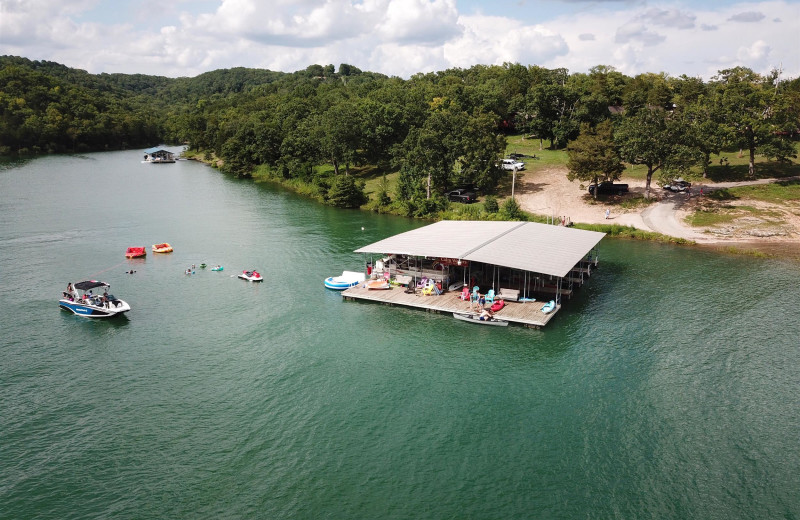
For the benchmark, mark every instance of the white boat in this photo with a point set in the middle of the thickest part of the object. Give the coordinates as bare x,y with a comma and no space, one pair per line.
346,280
79,299
474,318
252,276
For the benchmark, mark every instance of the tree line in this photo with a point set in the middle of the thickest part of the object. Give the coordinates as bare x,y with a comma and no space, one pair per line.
437,130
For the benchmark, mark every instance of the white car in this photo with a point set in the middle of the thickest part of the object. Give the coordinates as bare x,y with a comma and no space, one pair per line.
512,164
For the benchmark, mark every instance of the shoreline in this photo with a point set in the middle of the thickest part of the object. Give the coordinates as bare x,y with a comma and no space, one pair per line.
550,189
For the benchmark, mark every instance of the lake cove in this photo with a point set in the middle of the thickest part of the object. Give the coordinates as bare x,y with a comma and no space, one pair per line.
666,388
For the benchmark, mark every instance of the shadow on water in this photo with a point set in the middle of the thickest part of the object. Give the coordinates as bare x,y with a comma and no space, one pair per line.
97,325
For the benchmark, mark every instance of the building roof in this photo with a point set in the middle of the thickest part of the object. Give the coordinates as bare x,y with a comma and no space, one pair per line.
151,151
539,248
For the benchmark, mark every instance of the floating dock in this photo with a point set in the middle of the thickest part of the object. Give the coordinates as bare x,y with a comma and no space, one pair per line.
528,314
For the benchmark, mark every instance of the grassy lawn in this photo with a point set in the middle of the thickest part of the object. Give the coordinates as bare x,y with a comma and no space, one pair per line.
775,193
722,215
530,147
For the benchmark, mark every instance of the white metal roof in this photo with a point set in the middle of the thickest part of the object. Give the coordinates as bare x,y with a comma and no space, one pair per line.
539,248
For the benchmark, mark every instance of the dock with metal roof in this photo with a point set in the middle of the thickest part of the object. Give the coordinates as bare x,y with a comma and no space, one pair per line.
527,259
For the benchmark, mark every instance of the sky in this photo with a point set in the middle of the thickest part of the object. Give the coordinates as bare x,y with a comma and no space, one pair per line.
403,37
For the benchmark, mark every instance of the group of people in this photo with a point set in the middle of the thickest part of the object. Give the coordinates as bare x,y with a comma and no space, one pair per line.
72,295
480,307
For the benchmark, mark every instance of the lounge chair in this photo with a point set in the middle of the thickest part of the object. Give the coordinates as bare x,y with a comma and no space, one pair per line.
508,294
422,282
476,293
490,295
465,294
428,290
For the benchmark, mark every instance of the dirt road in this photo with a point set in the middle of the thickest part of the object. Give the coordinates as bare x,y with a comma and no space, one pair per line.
549,192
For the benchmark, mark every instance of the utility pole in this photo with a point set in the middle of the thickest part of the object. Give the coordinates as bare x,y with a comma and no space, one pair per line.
513,182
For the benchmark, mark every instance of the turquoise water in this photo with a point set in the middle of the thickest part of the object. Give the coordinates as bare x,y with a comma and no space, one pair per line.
666,388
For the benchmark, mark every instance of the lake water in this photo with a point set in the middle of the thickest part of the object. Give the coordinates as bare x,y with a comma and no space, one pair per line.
668,387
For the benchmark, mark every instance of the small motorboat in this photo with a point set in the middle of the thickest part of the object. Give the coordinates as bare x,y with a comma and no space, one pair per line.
89,305
549,306
455,286
162,248
217,268
251,276
378,284
346,280
497,305
135,252
475,318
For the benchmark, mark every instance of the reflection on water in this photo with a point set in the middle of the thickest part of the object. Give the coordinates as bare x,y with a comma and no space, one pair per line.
664,388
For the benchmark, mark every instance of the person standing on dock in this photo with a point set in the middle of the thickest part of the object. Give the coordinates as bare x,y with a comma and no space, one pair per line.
608,212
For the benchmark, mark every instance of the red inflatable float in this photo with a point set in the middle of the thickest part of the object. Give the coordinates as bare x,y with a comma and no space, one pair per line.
497,305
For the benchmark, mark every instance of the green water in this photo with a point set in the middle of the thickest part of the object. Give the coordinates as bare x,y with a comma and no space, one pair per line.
667,388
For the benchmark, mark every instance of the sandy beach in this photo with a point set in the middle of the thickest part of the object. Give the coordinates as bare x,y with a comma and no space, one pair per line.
549,192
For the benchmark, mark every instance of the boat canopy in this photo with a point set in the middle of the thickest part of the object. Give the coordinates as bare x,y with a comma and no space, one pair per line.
540,248
90,284
151,151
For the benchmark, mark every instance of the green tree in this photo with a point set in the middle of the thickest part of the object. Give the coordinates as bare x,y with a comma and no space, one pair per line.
755,113
653,138
593,156
346,192
341,139
510,210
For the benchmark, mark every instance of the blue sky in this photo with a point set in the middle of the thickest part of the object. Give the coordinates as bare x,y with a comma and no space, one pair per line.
402,37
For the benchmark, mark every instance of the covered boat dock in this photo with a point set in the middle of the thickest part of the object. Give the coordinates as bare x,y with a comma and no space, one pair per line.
158,156
526,264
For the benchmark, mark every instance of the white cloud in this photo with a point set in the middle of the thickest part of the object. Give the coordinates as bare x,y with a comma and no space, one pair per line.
638,32
494,40
668,18
399,37
747,17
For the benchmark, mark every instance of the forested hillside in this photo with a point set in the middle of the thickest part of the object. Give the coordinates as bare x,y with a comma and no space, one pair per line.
437,130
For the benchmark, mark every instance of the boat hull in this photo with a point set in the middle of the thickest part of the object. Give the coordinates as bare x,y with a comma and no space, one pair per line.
94,311
474,318
339,285
251,278
344,281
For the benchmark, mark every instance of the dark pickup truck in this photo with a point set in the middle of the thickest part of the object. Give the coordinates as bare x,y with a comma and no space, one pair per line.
461,195
608,188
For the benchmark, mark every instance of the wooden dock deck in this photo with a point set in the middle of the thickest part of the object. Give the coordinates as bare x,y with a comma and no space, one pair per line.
528,314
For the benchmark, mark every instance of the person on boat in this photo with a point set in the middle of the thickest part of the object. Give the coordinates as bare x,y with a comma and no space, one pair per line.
486,315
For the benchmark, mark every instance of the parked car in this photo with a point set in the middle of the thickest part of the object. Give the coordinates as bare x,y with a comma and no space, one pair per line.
608,188
461,195
678,185
512,164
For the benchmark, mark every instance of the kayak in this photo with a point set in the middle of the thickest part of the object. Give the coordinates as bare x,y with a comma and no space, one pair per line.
474,318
